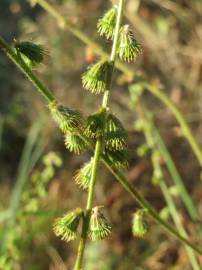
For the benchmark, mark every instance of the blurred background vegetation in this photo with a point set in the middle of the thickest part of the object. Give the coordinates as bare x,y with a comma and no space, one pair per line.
36,170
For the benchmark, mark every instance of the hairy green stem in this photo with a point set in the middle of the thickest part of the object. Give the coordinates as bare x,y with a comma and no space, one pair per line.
118,175
98,147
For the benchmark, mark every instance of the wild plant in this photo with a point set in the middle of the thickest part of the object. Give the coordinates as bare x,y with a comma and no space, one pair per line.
101,132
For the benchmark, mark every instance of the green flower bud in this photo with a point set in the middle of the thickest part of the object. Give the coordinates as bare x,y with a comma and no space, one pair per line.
68,119
129,48
31,53
83,176
74,143
115,134
106,25
94,125
95,79
99,228
66,227
139,224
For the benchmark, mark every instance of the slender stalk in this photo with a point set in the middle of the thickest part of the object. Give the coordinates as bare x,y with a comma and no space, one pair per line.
46,93
190,205
117,174
175,216
98,148
152,141
130,74
179,117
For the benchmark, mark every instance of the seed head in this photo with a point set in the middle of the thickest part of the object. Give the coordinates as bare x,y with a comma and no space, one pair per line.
32,54
95,78
99,228
74,143
106,25
83,176
66,227
129,48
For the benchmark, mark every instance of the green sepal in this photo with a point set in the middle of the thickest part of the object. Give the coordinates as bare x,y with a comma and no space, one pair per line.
66,227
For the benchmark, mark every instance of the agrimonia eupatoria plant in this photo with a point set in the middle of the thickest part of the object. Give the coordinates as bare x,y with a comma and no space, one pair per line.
72,124
103,128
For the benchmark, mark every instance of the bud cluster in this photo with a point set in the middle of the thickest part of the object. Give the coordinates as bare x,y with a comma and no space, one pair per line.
66,227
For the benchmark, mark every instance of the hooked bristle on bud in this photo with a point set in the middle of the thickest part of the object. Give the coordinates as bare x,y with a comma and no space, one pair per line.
96,77
83,175
115,134
74,143
68,119
129,48
139,224
66,227
94,125
31,53
106,25
99,228
118,159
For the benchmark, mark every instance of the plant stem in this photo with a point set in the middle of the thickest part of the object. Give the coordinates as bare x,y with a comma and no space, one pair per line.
179,117
175,216
117,174
98,147
190,206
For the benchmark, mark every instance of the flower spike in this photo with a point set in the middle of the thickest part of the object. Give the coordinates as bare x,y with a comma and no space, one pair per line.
94,126
66,227
129,48
139,224
95,78
74,143
106,25
115,134
83,176
31,53
68,119
98,226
